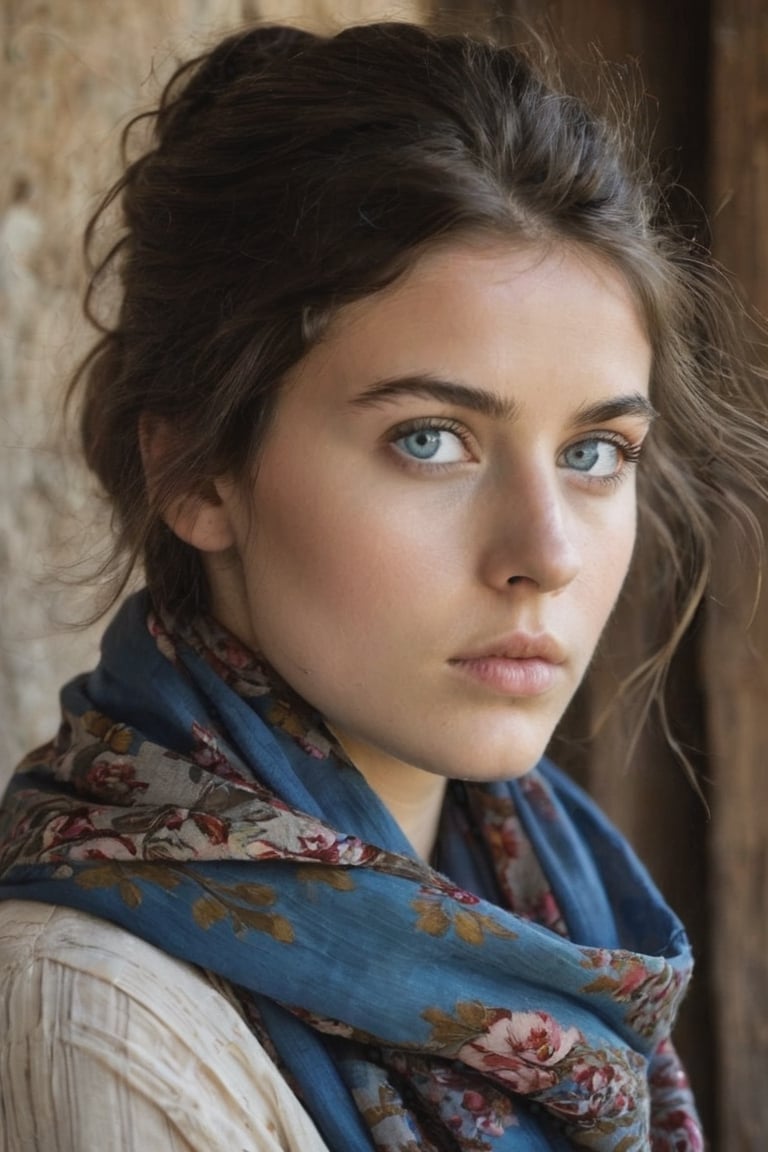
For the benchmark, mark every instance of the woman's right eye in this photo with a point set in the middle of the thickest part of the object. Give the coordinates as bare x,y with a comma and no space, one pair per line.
432,444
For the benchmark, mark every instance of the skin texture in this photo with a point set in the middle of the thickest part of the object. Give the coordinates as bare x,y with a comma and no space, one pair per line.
368,571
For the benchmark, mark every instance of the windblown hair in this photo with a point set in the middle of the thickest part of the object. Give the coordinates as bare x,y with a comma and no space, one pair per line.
289,174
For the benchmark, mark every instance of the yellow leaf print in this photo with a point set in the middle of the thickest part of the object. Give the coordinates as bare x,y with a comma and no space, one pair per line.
601,984
338,878
130,893
433,919
258,894
473,1015
116,736
275,926
494,929
388,1105
468,927
451,1032
101,876
437,916
207,912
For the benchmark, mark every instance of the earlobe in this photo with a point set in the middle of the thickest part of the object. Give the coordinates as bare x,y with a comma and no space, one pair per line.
201,519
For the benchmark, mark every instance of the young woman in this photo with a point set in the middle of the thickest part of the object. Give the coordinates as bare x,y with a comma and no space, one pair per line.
398,318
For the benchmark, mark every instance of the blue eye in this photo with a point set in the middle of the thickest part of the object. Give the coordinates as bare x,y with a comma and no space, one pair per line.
595,457
432,444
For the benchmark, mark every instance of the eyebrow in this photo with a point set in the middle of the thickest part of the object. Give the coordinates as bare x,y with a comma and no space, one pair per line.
633,405
444,391
490,403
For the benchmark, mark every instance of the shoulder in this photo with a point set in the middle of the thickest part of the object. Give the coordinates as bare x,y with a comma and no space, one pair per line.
111,1043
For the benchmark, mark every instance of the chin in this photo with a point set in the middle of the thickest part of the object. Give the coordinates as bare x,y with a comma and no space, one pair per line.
503,761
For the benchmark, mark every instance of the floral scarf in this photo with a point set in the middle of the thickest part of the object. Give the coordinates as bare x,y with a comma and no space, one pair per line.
518,996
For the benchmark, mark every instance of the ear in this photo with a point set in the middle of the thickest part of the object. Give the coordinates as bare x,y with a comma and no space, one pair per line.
199,518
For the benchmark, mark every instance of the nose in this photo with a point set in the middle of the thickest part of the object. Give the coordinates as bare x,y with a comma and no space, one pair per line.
531,536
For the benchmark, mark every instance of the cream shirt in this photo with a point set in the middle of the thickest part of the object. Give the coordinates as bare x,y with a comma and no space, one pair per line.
109,1045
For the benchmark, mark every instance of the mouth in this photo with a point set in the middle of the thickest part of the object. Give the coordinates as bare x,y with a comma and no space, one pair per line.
518,646
522,664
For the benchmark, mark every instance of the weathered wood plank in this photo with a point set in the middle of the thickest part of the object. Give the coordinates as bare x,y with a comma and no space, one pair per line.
736,663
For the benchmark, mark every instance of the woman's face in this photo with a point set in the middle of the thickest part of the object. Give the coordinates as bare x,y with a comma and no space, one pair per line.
444,510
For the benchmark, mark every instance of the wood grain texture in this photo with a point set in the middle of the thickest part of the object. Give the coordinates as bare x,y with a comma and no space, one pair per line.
735,658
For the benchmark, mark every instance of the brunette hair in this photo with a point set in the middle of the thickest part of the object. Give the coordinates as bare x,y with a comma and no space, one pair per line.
290,173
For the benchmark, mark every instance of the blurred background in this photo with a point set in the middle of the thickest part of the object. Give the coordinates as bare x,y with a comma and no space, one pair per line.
72,72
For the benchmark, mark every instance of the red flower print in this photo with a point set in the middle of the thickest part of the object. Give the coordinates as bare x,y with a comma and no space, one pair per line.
487,1119
213,828
603,1085
633,978
471,1113
522,1049
454,893
75,837
234,654
545,911
538,796
510,837
320,844
676,1131
68,827
113,779
601,1082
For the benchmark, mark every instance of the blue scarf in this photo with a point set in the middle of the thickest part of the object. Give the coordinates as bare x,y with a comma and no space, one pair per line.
521,997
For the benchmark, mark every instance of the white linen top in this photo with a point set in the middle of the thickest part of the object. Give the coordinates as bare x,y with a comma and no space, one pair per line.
109,1045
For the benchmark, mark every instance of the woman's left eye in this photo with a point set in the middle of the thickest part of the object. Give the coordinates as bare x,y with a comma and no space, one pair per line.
432,445
598,457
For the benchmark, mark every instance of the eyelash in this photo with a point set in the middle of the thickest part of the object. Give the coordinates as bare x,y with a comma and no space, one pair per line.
630,451
428,424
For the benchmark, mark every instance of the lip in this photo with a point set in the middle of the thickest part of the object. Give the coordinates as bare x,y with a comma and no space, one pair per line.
518,646
520,664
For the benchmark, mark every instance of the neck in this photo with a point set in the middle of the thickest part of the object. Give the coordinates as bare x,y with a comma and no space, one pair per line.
413,797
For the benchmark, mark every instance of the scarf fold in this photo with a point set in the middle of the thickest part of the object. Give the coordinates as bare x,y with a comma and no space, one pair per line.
522,997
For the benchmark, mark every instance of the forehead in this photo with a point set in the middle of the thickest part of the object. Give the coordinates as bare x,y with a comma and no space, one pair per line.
491,308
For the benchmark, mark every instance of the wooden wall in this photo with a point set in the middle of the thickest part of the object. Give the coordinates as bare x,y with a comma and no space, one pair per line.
70,73
734,664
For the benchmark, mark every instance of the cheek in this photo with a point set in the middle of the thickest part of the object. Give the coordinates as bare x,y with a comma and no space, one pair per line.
608,557
341,553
